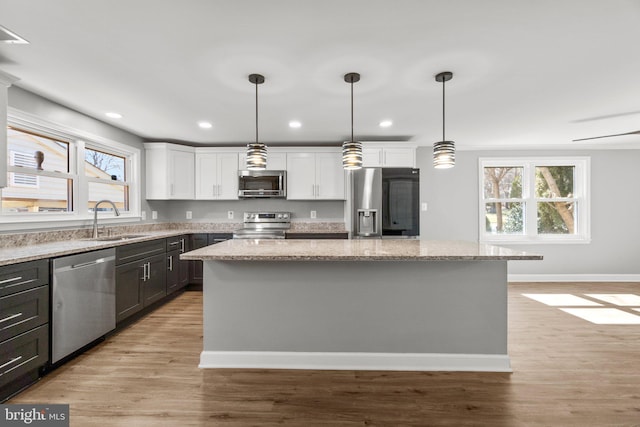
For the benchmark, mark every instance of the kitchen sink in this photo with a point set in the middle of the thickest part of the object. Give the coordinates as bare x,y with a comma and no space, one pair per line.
118,238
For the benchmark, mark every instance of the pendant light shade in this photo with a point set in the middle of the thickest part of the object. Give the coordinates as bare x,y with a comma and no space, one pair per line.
256,152
444,152
352,150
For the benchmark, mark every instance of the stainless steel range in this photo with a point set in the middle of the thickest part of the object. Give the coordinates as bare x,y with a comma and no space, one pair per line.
264,225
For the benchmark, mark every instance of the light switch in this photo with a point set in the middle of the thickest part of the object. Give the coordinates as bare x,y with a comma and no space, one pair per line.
424,206
229,214
189,214
154,214
313,214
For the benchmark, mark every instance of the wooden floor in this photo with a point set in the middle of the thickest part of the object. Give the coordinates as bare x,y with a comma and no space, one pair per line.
567,372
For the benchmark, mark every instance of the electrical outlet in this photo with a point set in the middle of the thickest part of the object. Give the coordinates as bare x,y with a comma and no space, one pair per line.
189,214
229,214
154,214
313,214
424,206
143,215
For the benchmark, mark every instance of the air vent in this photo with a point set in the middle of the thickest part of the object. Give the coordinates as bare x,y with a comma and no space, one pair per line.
7,36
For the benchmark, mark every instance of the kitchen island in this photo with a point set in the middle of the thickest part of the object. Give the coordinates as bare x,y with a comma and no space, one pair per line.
356,304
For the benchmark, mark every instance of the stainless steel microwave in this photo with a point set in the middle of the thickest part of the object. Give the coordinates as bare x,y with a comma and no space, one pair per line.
262,184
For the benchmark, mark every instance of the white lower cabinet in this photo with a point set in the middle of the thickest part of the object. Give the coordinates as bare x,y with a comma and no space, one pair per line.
216,175
315,176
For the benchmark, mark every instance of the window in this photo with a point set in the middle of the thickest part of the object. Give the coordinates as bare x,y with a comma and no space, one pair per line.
106,174
39,178
58,173
534,200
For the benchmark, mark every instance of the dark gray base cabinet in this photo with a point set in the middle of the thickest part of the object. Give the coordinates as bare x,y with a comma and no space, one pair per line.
200,240
129,299
155,287
24,324
141,278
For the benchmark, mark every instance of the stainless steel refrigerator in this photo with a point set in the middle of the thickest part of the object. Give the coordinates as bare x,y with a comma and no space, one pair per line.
385,202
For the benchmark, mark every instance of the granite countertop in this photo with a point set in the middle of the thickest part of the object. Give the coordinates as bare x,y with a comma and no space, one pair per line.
355,250
30,246
14,255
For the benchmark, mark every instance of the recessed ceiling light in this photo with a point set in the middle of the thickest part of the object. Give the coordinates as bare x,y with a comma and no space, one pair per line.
386,123
295,124
114,115
205,125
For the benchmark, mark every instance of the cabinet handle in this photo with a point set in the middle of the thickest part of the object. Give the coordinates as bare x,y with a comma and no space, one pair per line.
13,316
13,279
182,245
148,270
144,272
170,262
15,359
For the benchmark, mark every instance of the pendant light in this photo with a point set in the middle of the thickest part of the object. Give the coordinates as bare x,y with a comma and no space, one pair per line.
256,152
444,152
352,150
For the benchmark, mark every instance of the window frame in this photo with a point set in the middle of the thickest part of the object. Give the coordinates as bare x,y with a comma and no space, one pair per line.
77,140
581,198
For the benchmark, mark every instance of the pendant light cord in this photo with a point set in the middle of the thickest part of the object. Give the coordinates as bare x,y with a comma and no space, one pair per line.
443,113
256,112
351,110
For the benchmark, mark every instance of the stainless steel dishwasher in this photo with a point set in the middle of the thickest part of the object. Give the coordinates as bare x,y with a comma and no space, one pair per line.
83,299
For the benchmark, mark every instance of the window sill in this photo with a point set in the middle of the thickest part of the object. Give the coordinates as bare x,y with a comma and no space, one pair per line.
525,240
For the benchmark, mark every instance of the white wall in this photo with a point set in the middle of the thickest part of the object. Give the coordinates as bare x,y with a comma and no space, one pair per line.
452,197
216,211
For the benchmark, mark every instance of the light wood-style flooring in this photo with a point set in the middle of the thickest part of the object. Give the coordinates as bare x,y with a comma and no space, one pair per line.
567,372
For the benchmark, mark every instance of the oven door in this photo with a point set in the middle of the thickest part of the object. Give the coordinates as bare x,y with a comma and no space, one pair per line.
262,184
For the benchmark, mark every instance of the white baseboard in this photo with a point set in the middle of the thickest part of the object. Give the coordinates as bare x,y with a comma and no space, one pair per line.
574,278
356,361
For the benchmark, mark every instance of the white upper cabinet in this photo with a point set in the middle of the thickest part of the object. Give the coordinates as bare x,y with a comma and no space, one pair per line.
313,175
169,171
379,154
216,174
276,160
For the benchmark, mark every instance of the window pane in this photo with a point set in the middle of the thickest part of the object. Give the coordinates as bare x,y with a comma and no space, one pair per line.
556,218
99,164
502,183
118,194
554,181
32,151
32,193
504,218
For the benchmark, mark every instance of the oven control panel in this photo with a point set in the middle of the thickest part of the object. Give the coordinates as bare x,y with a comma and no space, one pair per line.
262,217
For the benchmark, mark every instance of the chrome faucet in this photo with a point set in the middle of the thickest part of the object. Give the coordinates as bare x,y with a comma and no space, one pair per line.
95,215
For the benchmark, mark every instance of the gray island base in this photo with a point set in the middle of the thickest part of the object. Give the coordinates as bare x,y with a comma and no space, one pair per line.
356,304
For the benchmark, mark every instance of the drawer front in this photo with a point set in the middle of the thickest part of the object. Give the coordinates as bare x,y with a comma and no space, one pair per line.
23,354
177,243
27,275
137,251
23,311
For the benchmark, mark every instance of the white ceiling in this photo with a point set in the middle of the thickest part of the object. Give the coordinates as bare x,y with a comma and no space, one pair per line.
526,73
